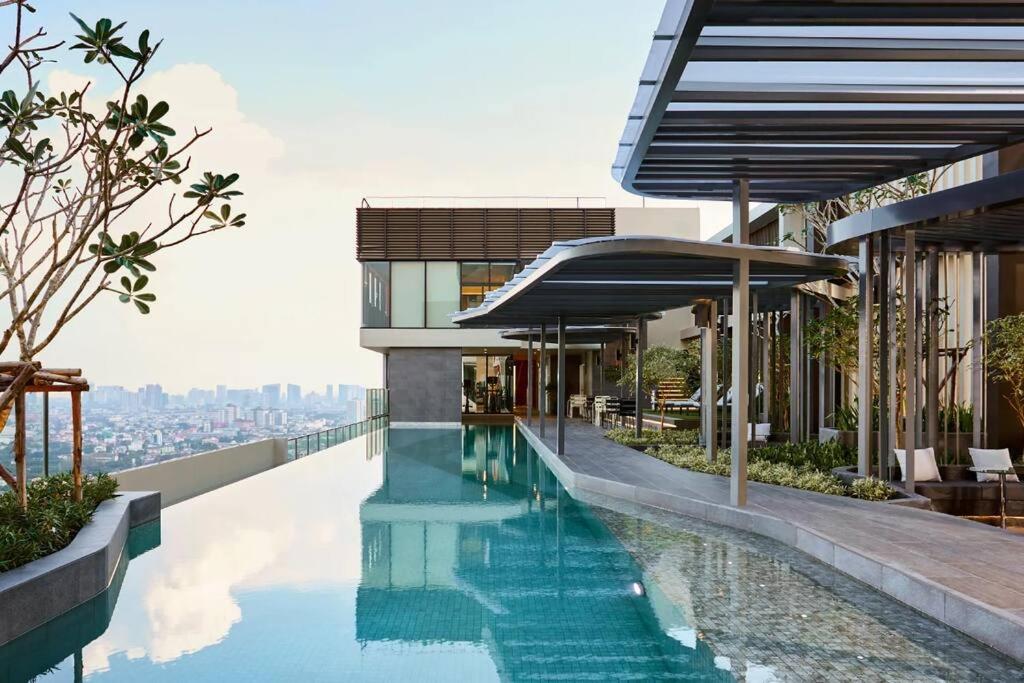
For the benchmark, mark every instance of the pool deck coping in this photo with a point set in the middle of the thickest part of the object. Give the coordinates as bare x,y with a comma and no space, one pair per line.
35,593
974,582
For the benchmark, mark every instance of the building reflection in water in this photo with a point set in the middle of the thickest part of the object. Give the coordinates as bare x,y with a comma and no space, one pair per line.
470,539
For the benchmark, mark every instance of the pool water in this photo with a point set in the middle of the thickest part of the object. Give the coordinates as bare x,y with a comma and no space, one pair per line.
454,555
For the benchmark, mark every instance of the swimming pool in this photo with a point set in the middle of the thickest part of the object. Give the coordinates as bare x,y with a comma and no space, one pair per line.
455,555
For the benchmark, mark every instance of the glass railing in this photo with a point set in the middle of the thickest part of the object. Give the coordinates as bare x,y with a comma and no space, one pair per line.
376,417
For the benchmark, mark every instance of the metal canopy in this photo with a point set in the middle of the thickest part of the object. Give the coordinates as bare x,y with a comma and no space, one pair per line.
987,215
811,100
616,279
575,334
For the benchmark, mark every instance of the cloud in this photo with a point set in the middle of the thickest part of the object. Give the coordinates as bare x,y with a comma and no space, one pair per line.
235,306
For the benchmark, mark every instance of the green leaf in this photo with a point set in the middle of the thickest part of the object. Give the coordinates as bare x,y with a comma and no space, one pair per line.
143,308
124,298
15,146
111,266
159,109
145,249
140,283
225,211
146,297
82,24
126,283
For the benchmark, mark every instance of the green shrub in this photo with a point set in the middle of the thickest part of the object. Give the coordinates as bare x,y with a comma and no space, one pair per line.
819,456
653,437
52,519
803,477
870,488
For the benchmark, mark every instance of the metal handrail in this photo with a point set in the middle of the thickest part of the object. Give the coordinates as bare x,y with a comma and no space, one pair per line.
307,444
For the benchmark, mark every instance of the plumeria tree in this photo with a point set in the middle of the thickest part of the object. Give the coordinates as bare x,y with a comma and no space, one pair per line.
1004,357
818,216
662,363
79,182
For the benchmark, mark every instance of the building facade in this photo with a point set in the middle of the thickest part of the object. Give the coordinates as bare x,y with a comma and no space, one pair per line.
420,265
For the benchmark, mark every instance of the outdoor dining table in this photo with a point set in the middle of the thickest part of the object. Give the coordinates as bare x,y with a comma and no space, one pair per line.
1002,489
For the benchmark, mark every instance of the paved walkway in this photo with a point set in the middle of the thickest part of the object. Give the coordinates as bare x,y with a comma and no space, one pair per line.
963,573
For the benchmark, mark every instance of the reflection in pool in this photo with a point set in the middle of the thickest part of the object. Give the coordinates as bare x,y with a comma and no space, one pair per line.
455,555
455,551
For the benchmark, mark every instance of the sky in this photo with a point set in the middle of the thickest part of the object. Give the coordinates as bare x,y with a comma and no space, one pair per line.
317,105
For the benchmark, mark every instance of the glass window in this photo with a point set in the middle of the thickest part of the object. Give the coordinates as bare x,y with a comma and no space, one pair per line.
473,284
501,273
407,293
442,292
478,278
376,297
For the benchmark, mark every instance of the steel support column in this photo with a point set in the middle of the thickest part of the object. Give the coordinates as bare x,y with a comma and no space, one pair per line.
766,368
752,356
542,378
795,366
977,342
741,211
740,381
931,384
560,396
529,379
709,377
641,341
865,312
884,353
910,360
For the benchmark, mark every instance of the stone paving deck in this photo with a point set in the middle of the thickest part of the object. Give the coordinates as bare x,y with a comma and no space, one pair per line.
965,574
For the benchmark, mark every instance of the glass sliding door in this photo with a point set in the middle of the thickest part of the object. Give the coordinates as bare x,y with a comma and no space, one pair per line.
487,383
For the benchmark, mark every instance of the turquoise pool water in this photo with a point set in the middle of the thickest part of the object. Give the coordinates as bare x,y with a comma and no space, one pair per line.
454,555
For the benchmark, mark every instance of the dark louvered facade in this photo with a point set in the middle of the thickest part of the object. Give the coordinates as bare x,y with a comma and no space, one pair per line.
400,234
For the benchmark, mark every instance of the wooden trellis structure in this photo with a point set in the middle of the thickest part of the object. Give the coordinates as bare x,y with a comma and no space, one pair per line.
18,378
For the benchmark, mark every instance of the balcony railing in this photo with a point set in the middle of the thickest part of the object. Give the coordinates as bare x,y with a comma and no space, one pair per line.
376,415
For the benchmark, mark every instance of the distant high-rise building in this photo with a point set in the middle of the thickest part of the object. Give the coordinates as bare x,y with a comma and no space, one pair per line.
330,393
271,395
153,397
222,394
294,395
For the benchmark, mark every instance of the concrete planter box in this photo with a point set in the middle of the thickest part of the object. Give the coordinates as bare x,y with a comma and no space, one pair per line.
39,591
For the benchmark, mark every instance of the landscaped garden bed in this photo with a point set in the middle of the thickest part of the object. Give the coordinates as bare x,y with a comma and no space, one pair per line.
653,437
52,518
806,466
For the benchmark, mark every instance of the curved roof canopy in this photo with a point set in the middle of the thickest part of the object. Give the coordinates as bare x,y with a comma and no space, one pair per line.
986,215
577,334
606,280
814,99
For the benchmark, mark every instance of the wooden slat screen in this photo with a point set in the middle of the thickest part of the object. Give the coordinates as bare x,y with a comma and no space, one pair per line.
395,234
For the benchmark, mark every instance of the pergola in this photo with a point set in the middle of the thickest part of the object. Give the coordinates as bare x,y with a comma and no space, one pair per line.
811,100
621,280
973,221
791,101
18,378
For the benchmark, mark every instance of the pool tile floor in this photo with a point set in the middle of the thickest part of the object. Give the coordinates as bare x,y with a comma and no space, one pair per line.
939,561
